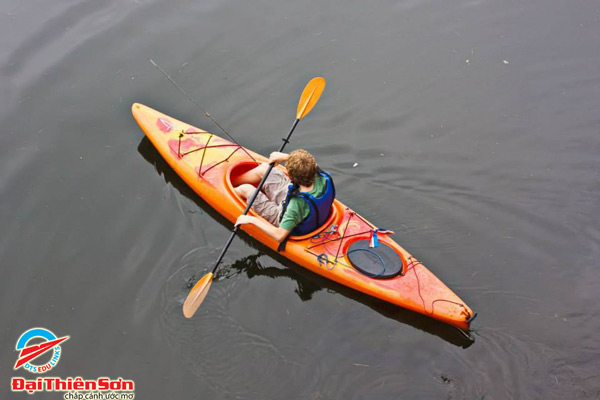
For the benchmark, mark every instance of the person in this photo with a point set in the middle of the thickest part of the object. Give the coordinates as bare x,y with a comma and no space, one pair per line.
297,205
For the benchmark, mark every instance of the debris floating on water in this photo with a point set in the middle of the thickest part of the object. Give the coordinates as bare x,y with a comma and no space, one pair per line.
355,165
505,62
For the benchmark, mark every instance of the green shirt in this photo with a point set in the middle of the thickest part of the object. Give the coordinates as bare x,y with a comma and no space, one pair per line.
298,209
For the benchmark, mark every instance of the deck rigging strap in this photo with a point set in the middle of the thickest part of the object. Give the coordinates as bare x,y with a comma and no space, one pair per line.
198,105
412,264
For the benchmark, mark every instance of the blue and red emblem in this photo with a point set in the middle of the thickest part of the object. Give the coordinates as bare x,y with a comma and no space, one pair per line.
29,353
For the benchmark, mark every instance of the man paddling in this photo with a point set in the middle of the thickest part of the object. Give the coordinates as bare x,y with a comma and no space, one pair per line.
297,205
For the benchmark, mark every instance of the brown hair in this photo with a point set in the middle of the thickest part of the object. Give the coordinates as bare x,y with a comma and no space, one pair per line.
302,167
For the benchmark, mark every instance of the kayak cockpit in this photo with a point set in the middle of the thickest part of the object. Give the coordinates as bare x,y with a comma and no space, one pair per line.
245,166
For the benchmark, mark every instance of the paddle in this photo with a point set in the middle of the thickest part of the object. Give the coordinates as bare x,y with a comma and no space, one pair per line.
310,97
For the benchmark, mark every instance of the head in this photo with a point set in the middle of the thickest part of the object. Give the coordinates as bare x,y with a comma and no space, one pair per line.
302,167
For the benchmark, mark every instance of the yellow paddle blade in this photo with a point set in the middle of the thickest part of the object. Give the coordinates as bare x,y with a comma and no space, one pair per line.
310,96
196,295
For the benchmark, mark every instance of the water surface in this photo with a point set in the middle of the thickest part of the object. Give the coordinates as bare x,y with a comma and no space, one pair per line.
475,128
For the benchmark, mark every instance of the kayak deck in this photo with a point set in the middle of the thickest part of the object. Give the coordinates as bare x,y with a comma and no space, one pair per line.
206,162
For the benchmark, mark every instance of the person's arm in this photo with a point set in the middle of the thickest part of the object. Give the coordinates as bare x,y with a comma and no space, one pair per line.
274,232
278,157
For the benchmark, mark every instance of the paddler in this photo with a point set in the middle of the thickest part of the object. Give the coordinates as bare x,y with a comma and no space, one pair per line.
295,206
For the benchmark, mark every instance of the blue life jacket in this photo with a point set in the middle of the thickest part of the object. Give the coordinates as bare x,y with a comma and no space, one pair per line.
320,207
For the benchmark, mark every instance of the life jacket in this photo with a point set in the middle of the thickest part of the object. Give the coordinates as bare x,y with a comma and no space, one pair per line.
320,207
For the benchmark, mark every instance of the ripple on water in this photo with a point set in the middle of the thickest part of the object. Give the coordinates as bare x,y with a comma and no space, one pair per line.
502,364
229,356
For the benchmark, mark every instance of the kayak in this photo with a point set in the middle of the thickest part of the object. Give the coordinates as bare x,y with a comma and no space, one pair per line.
207,163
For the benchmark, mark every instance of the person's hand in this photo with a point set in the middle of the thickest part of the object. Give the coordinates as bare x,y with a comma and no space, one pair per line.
244,219
277,157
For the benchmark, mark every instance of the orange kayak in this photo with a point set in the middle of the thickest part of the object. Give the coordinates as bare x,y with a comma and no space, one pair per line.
206,162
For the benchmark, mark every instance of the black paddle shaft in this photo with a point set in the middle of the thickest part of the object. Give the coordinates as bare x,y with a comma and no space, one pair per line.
251,201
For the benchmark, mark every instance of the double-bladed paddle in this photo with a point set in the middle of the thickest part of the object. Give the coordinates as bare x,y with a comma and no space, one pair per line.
310,97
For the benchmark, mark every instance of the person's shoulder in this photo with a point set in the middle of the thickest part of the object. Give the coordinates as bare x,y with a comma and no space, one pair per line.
321,173
321,179
296,201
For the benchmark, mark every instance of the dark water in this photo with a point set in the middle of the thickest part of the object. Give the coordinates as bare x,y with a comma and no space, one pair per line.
475,126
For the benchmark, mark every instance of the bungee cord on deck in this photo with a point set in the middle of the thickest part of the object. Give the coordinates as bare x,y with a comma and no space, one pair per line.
199,107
